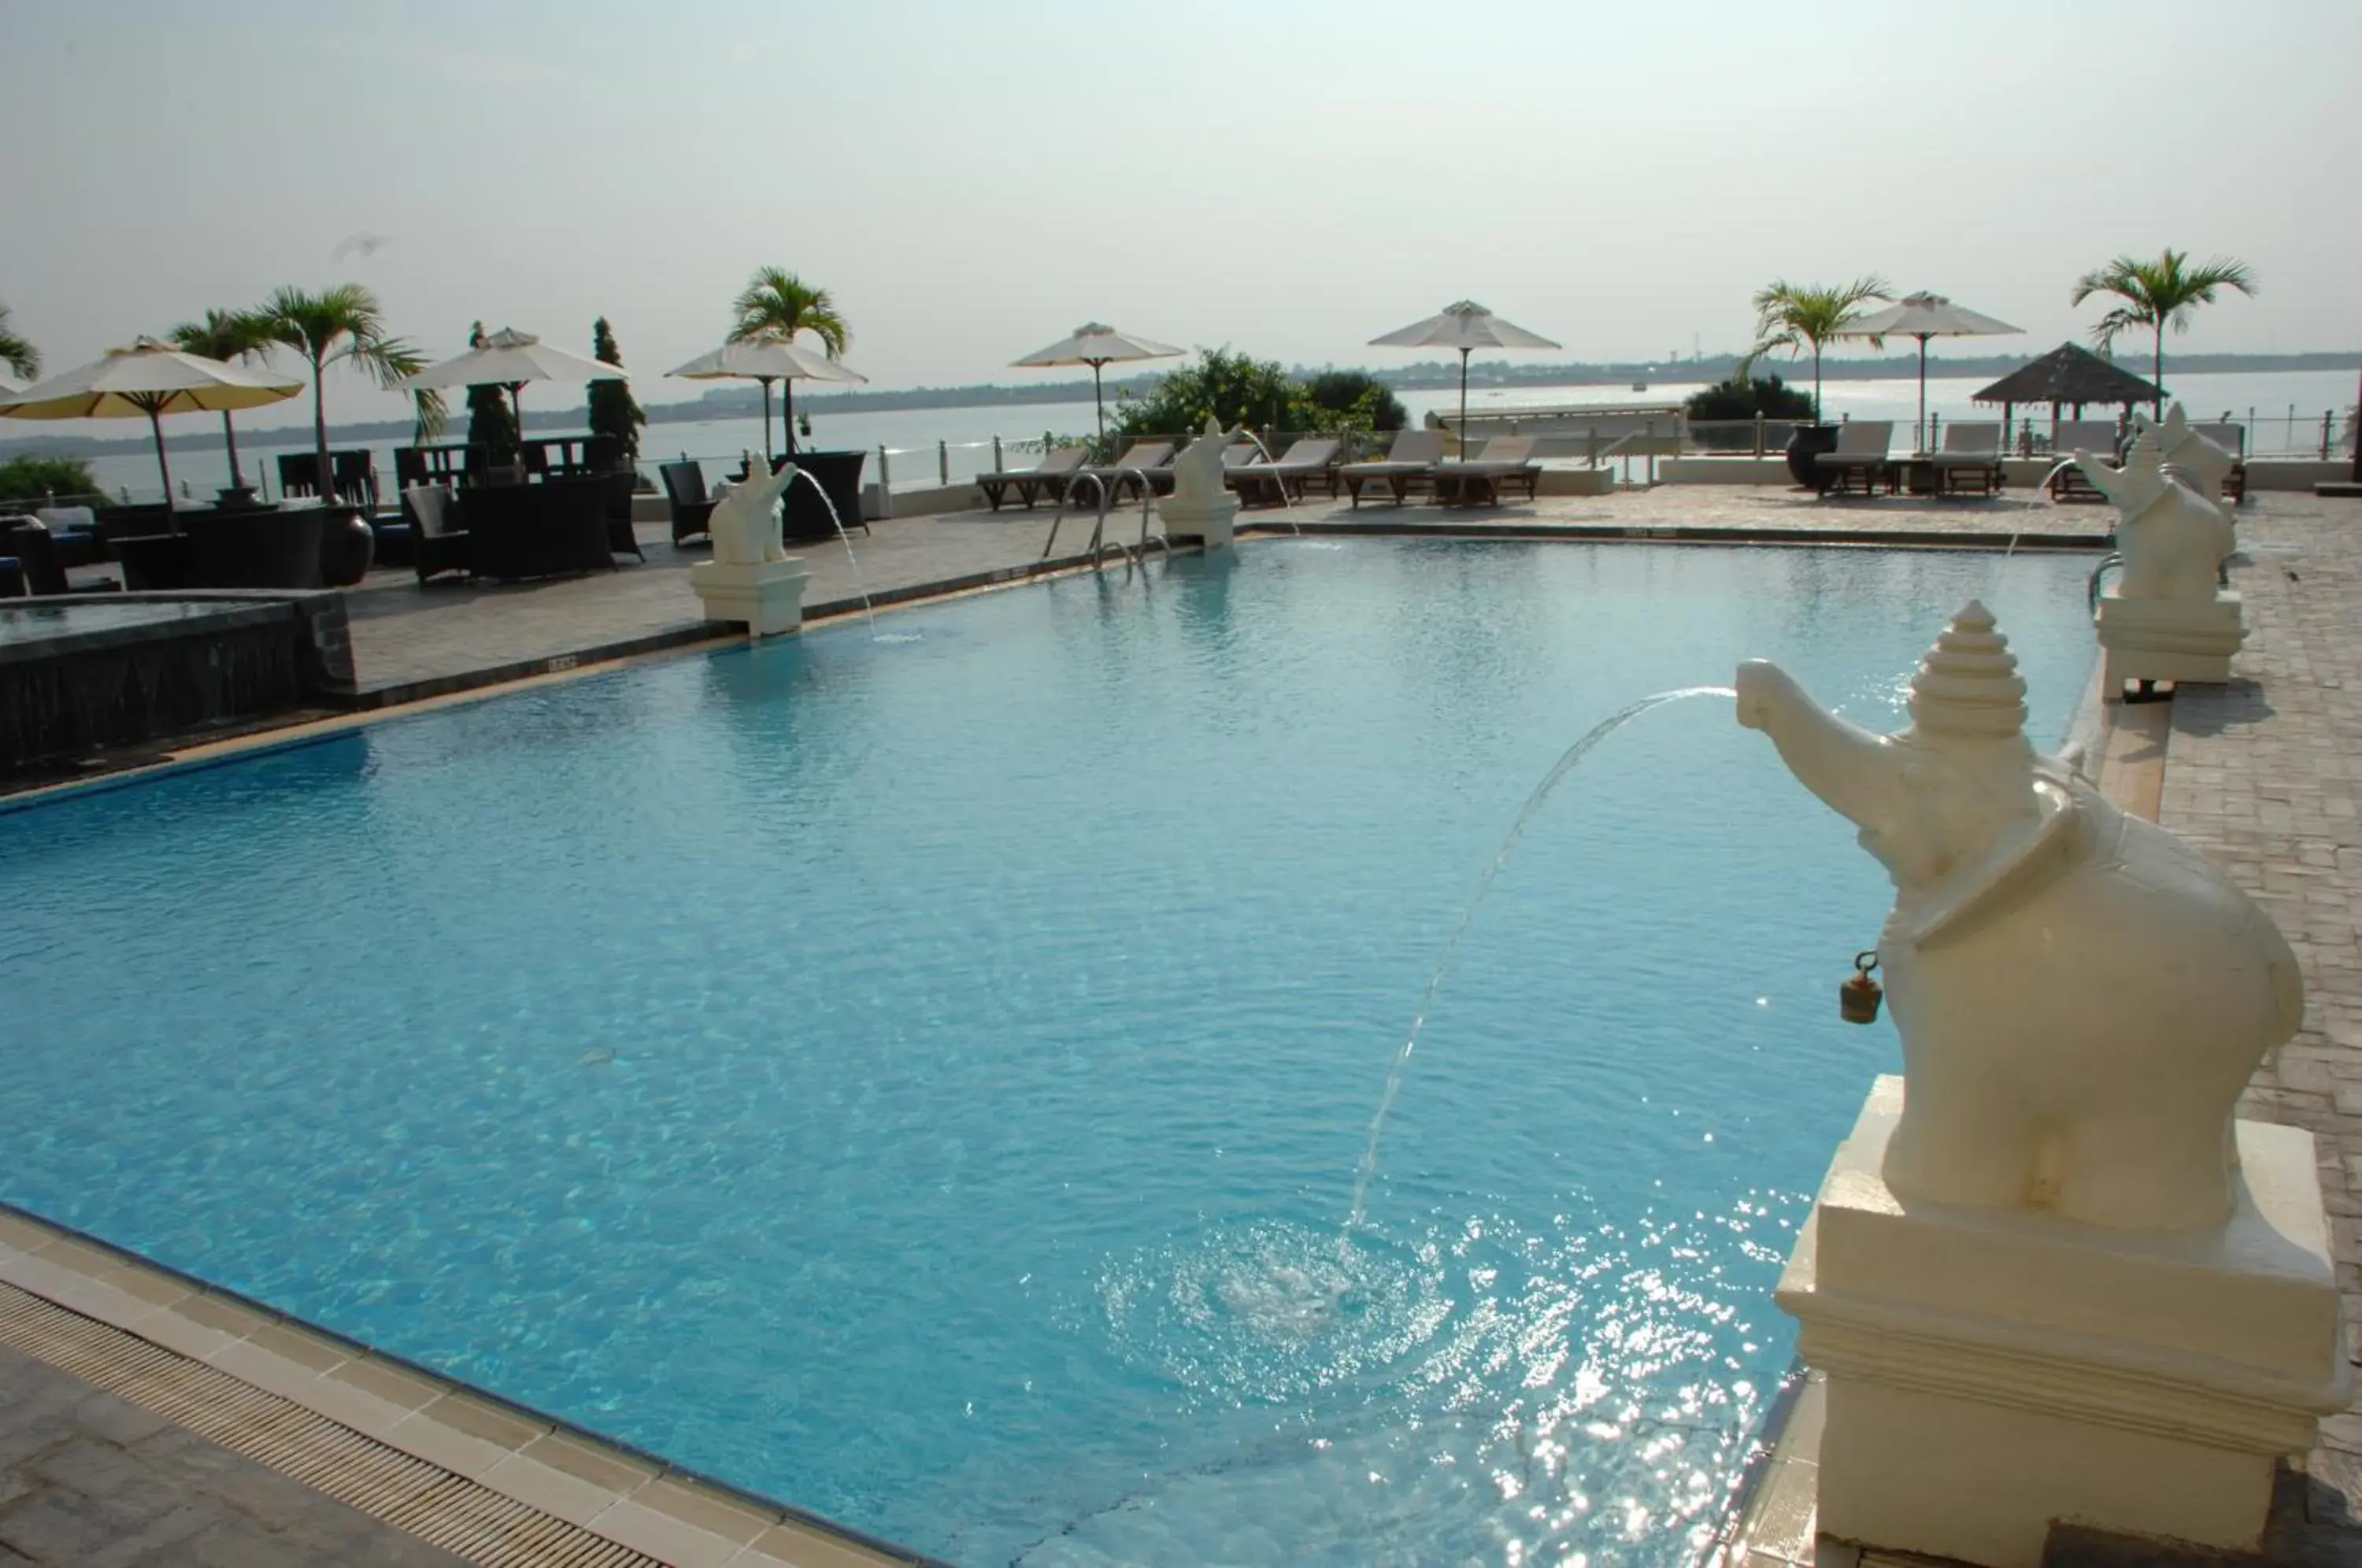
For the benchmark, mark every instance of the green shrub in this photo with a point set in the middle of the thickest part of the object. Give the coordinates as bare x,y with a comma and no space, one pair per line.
1736,399
37,479
1362,400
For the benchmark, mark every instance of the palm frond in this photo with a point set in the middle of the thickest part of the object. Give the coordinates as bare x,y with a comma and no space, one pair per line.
17,353
777,305
431,414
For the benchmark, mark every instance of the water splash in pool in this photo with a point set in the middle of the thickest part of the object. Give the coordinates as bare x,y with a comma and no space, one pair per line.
1566,765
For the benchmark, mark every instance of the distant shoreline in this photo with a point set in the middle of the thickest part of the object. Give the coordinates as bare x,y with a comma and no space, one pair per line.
743,402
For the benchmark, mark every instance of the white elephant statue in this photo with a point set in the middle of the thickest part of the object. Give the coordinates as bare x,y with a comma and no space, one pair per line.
2174,541
2081,995
2190,454
1198,471
745,521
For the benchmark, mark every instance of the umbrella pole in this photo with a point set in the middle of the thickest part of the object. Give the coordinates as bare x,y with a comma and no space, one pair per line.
1463,405
1924,444
229,439
788,411
516,405
1098,401
163,464
765,382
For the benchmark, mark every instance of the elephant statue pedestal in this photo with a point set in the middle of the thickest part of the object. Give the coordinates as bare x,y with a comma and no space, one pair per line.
766,596
1990,1371
1213,523
2169,639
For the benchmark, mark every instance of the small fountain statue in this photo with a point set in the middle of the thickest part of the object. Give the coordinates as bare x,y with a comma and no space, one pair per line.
2205,466
2164,618
1201,505
752,579
2049,1276
2081,995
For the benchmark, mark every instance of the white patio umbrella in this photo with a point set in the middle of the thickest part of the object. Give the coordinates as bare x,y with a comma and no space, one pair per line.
1466,326
510,359
767,360
1099,346
1923,315
147,378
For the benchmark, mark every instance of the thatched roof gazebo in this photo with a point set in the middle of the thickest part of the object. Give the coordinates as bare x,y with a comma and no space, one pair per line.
2068,375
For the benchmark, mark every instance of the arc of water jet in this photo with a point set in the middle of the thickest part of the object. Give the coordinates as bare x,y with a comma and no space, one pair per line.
1566,763
853,560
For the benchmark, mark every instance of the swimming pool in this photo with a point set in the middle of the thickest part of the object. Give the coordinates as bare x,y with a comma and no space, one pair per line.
923,1078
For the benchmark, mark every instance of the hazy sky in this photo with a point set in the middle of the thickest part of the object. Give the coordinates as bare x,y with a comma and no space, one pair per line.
972,180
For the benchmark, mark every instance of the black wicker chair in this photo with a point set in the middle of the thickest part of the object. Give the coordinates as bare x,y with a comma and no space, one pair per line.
692,509
44,572
437,543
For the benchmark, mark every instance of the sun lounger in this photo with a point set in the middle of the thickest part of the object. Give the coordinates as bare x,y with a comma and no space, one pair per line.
1860,458
1310,460
1409,461
1504,463
1046,479
1151,458
2232,438
1970,460
2097,437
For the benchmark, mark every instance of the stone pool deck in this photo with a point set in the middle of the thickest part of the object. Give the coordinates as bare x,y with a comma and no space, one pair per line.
2266,774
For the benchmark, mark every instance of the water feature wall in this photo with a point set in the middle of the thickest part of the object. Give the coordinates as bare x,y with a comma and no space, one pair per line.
82,674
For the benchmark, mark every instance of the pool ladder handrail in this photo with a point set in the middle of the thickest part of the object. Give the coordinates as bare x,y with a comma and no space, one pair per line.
1099,528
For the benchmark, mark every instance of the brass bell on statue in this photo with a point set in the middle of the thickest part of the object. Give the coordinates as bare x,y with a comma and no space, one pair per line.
1859,998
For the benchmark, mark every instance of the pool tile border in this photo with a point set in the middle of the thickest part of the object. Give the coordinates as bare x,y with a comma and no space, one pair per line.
636,1500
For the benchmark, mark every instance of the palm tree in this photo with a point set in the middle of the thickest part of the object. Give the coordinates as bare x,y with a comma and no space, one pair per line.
772,307
2157,293
16,353
343,324
228,336
1794,315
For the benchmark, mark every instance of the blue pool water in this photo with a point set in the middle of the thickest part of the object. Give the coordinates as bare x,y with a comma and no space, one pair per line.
922,1078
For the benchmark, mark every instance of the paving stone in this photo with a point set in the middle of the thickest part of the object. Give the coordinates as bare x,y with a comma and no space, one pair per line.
110,1485
2263,773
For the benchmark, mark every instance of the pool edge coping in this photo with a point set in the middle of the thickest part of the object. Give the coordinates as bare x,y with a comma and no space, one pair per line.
391,1400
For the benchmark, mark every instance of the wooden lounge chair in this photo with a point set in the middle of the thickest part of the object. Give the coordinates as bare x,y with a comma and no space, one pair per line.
692,509
1045,479
1310,460
2231,437
1859,459
1411,460
1151,458
1970,460
1504,463
2097,437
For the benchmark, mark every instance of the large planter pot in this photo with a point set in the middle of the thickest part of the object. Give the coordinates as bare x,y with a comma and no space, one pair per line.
348,546
1809,442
